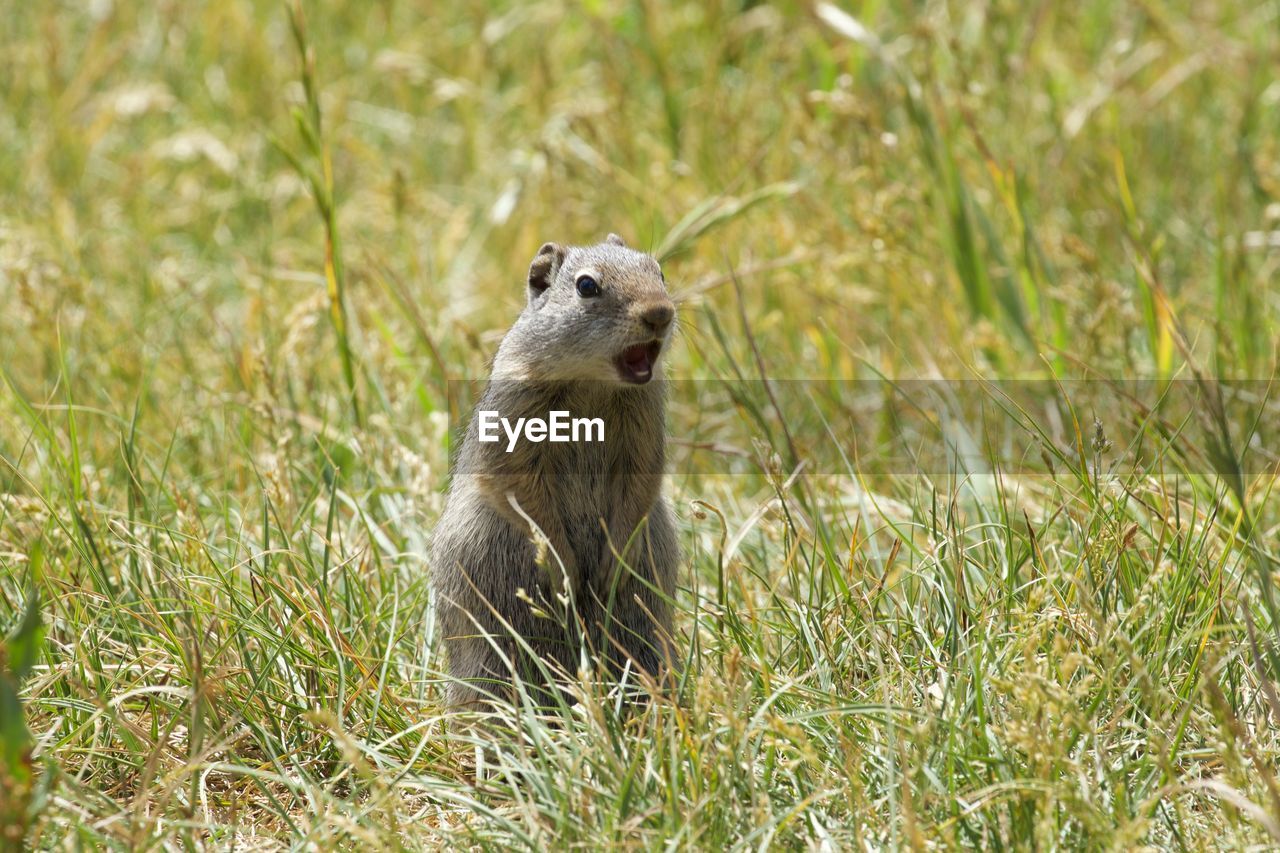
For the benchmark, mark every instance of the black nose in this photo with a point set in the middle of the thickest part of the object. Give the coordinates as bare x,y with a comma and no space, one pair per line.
658,315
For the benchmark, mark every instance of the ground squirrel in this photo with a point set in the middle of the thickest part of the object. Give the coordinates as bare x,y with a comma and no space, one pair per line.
588,342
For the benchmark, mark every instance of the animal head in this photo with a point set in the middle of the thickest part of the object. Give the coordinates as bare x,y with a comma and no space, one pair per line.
593,313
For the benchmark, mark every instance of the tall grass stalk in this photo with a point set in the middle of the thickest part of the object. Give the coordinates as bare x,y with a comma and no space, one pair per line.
311,130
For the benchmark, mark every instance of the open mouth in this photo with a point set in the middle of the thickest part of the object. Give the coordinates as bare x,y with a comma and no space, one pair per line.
635,363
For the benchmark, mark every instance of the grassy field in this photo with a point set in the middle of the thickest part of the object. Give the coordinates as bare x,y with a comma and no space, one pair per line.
244,251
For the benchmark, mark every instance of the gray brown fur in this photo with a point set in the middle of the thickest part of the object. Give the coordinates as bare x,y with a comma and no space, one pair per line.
609,561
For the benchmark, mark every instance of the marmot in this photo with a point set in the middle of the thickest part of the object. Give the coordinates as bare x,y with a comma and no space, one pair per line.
601,571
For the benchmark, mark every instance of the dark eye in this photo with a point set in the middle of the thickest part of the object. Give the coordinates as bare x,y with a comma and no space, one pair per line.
588,287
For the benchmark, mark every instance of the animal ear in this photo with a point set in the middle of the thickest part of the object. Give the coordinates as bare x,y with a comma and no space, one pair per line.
544,267
615,240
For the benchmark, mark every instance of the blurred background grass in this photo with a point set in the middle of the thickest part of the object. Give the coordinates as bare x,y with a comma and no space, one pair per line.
239,642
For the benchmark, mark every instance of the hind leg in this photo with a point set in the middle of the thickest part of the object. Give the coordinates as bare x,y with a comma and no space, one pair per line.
632,619
492,660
